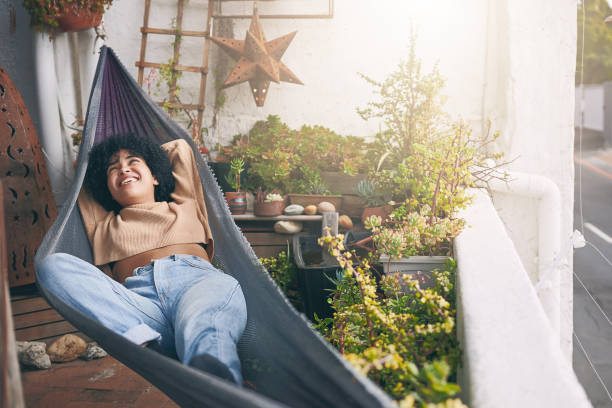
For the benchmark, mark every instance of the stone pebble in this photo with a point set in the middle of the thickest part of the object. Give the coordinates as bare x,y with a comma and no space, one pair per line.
345,222
294,209
93,351
67,348
287,227
33,354
310,209
325,207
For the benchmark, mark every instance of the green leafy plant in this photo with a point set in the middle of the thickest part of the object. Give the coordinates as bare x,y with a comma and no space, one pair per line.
284,273
426,162
233,177
595,66
291,161
436,179
44,13
308,181
409,105
421,154
404,340
409,233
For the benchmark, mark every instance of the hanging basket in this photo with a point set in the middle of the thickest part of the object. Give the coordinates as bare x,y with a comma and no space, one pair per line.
76,18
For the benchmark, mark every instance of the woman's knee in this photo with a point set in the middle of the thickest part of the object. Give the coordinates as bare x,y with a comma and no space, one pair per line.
57,267
231,299
231,290
215,292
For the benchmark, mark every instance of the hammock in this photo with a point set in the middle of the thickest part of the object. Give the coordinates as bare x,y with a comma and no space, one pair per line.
284,361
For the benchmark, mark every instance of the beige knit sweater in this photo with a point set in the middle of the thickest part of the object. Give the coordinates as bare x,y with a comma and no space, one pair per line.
142,227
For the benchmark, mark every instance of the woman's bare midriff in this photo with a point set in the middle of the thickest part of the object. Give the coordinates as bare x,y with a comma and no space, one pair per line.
124,268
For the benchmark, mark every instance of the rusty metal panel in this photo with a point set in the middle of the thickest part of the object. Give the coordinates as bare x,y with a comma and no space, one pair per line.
28,200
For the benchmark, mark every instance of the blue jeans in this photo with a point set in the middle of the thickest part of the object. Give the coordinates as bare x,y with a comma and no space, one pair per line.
181,302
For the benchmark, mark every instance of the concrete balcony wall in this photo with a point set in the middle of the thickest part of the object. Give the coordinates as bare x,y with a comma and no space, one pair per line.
511,355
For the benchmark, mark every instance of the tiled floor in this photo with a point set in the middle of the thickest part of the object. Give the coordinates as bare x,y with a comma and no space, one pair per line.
97,383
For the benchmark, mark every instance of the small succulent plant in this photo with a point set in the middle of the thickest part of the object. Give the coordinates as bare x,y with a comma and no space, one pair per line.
369,195
273,197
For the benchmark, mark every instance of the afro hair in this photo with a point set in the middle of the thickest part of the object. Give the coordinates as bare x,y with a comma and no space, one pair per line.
154,156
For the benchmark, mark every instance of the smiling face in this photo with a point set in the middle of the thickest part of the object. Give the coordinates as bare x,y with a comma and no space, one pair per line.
129,179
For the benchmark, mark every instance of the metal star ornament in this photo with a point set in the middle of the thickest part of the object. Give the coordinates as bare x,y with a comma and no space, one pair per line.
258,60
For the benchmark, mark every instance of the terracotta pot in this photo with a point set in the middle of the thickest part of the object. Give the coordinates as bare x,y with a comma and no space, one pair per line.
237,202
75,18
383,212
269,209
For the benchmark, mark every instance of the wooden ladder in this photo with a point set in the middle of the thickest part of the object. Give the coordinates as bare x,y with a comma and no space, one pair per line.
178,32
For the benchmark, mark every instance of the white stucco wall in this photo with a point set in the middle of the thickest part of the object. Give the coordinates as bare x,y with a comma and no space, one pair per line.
511,356
530,95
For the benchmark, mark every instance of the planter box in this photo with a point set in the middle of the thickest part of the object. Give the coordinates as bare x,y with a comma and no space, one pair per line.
314,199
341,183
313,273
418,266
352,205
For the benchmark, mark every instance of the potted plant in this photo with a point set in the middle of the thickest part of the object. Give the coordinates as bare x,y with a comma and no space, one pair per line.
413,242
374,202
236,200
418,234
272,205
66,15
427,163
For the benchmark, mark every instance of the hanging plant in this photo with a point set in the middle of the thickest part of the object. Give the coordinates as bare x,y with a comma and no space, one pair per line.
68,15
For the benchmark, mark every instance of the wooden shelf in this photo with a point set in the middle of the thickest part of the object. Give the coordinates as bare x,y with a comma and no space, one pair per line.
253,217
259,231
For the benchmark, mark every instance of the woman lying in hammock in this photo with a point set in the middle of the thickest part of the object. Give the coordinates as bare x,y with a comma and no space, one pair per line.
148,227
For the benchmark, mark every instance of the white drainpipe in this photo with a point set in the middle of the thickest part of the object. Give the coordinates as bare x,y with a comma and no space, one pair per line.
49,130
549,234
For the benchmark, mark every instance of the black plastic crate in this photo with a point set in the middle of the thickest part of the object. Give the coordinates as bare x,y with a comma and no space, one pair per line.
314,273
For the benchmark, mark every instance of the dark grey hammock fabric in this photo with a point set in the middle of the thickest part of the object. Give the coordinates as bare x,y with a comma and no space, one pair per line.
284,361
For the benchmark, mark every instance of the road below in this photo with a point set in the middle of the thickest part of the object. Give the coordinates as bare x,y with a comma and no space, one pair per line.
593,276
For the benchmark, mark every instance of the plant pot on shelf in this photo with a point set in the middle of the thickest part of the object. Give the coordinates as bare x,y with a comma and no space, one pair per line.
269,209
264,208
419,267
76,18
383,212
237,201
